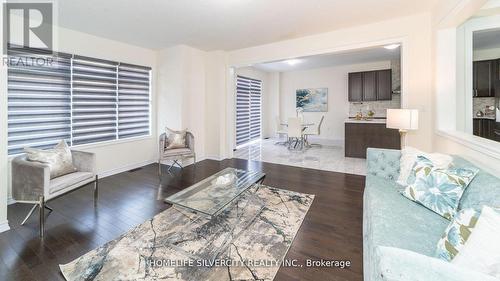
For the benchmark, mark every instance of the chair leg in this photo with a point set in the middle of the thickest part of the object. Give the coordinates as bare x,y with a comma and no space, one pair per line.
96,189
178,164
159,167
42,215
29,214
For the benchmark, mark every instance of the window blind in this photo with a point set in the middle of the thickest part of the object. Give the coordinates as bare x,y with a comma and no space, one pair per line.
79,99
248,109
94,100
39,99
133,100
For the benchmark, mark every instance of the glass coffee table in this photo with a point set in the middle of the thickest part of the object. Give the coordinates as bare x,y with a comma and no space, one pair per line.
214,193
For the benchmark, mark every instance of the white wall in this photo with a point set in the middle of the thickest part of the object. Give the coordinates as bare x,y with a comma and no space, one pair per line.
215,85
333,78
413,31
3,140
112,157
189,95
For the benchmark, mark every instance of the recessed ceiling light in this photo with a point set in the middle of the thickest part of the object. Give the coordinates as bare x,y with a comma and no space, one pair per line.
392,46
293,61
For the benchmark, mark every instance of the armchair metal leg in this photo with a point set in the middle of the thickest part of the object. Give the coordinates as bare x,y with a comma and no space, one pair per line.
159,167
33,210
29,214
175,162
42,215
96,189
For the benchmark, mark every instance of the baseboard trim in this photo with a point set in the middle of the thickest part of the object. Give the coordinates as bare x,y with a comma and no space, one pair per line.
212,157
10,201
125,168
4,226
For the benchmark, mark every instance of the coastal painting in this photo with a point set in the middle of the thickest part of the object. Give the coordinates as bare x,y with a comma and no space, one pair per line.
312,100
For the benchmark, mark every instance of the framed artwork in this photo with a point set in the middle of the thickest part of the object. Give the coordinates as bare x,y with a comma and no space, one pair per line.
312,100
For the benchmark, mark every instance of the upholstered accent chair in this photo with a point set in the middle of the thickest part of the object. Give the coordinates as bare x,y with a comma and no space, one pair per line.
31,182
175,154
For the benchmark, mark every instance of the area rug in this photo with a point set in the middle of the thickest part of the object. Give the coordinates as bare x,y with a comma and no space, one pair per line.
248,240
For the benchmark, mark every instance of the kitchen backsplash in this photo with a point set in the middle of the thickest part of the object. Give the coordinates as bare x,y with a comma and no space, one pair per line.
481,104
379,107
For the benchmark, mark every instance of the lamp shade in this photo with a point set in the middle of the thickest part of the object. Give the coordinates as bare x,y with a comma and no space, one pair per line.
402,119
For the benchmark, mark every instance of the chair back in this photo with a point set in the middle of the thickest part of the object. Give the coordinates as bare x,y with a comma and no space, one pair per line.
320,123
294,128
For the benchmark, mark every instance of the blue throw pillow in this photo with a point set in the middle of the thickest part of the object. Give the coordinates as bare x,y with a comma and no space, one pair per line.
438,189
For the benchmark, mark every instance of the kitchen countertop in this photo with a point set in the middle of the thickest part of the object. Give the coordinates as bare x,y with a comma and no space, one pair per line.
485,117
372,121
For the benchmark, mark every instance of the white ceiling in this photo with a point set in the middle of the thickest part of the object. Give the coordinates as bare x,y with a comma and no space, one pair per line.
224,24
334,59
486,39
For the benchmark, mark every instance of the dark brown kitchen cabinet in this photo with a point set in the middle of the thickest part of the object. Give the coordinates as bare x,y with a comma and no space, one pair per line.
484,128
484,76
384,84
355,86
370,85
360,136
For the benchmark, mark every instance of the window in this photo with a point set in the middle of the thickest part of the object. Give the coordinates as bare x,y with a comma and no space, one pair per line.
79,99
248,109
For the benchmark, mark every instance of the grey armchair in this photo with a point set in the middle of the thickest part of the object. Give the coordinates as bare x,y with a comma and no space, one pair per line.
175,154
31,182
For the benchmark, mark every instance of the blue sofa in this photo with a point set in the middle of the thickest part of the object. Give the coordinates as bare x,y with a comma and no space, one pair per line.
400,236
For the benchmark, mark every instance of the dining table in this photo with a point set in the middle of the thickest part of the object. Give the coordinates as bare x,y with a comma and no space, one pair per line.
304,125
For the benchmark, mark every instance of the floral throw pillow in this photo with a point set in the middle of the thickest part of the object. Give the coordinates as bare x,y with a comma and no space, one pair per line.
456,234
438,189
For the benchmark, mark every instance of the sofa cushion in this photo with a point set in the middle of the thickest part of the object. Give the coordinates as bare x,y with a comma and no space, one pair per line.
483,190
177,152
394,264
383,163
68,180
392,220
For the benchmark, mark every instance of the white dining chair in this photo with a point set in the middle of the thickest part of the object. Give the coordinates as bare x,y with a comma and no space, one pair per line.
280,131
295,133
313,131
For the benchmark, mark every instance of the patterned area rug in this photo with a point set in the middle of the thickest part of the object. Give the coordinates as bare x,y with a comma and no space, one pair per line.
246,241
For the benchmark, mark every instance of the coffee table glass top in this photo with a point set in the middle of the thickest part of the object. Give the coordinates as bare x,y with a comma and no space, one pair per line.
212,194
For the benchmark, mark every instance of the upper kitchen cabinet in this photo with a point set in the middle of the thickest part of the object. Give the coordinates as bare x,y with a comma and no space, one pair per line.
484,76
370,85
356,86
384,84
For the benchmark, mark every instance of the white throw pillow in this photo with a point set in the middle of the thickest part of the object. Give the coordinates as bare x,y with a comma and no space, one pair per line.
176,139
409,157
481,252
59,159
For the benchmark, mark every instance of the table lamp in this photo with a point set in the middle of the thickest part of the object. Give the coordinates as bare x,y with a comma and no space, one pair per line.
403,120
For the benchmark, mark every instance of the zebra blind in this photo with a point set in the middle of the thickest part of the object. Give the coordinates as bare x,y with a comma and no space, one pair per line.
248,109
39,99
94,101
133,100
79,99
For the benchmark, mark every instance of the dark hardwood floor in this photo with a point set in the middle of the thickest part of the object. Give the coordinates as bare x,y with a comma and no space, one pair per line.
332,228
